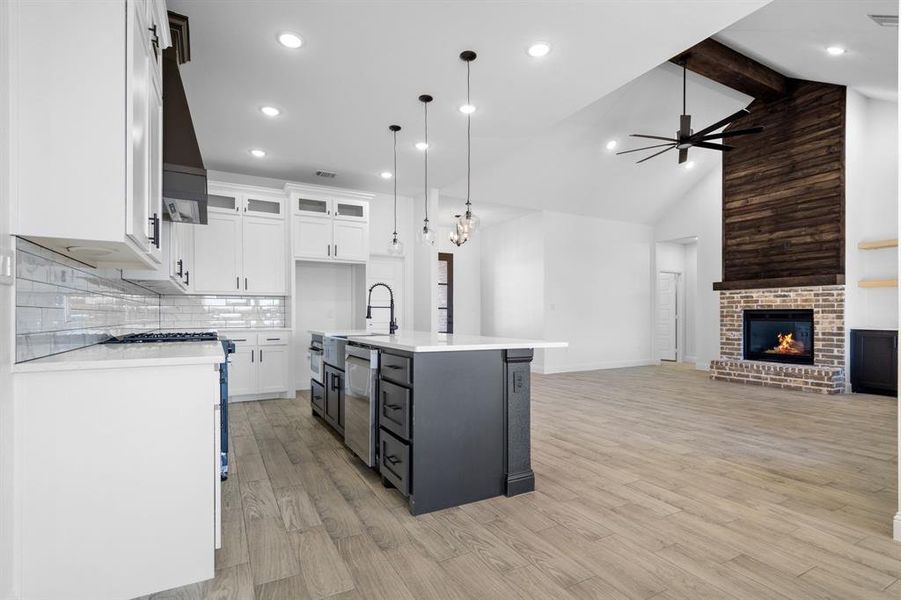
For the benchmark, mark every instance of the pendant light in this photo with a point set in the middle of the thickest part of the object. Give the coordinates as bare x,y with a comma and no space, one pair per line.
396,248
469,222
458,237
426,234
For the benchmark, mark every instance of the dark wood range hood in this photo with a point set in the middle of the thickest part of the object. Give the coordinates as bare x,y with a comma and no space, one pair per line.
184,174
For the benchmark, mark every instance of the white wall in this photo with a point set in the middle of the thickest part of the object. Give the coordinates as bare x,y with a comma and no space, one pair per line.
467,281
597,291
328,296
690,305
540,280
425,268
512,280
7,533
871,194
698,214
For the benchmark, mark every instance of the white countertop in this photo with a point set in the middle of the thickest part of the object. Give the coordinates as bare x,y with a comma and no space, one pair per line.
340,332
116,356
423,341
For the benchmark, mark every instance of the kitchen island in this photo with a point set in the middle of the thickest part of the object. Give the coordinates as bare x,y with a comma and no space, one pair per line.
451,415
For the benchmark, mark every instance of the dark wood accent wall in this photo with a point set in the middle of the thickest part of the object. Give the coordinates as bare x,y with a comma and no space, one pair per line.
784,191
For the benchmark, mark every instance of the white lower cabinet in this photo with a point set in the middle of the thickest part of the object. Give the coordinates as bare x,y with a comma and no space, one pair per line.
259,364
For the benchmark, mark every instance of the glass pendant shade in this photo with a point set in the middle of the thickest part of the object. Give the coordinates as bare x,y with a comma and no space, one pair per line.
426,234
396,247
469,222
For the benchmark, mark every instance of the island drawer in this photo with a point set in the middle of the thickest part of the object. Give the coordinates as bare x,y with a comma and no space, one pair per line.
317,396
394,461
394,409
397,368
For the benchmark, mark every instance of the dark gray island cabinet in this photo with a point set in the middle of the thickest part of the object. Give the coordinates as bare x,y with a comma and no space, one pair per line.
452,417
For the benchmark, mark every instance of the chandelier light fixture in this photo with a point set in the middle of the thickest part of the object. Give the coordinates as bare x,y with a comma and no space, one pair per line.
396,248
466,224
426,233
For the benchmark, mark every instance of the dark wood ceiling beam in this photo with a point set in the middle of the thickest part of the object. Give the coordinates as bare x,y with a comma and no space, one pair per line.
724,65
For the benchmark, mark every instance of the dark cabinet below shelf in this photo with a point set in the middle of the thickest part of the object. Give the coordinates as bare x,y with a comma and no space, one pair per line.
317,397
874,361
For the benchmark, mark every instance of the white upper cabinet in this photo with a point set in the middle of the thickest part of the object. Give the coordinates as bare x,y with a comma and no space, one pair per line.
90,124
218,255
329,224
243,249
264,255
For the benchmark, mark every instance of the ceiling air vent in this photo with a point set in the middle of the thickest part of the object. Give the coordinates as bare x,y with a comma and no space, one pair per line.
885,20
326,174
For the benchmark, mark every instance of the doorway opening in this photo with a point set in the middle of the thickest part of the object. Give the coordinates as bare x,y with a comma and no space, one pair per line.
445,292
676,285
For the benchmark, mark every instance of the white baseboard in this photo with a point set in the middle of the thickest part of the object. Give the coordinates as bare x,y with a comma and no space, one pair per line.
897,527
252,397
702,366
690,359
597,366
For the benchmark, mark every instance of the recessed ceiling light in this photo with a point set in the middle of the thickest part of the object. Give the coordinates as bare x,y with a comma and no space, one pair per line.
270,111
467,109
290,40
539,49
421,145
385,175
690,165
258,153
611,145
835,50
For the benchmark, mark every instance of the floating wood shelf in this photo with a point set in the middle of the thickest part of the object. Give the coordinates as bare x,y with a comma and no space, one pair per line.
877,245
878,283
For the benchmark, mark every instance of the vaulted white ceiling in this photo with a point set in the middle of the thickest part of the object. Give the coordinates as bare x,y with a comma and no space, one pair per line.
792,36
363,64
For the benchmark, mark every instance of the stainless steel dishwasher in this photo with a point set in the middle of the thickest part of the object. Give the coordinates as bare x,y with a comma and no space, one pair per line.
361,366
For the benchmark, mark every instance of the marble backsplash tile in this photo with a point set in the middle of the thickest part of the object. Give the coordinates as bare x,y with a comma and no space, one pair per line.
222,312
62,304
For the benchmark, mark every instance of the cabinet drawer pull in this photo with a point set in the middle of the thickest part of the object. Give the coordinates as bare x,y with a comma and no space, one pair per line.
392,367
392,459
155,224
180,264
393,406
273,339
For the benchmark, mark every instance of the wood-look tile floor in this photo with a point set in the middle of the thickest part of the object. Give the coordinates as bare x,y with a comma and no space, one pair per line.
652,482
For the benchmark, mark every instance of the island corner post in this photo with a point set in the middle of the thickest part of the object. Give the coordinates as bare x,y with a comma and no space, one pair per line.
517,395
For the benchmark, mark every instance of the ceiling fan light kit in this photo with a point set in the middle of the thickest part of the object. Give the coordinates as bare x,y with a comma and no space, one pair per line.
687,138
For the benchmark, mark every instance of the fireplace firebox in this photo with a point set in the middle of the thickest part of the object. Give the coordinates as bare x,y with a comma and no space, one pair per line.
779,336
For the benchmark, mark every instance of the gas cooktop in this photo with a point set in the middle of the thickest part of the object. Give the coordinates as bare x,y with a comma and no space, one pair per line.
164,336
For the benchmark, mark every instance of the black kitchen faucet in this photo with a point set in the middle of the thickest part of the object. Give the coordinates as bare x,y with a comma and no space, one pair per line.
392,324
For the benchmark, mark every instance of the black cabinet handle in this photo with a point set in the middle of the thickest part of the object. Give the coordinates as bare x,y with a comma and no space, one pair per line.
245,283
238,282
336,250
393,406
392,459
187,278
251,356
392,367
180,264
329,249
261,355
155,223
156,38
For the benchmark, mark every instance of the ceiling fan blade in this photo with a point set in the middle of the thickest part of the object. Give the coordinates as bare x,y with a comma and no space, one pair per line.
728,134
656,154
653,137
683,155
645,148
710,146
684,125
723,122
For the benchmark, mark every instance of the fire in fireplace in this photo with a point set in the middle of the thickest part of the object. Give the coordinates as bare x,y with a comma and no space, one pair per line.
779,335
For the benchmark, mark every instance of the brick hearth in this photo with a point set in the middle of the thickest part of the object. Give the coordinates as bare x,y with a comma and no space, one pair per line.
826,375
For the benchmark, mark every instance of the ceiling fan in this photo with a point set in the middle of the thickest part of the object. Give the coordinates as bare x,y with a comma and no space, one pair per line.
686,138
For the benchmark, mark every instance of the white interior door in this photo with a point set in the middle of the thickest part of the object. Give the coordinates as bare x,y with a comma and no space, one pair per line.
387,270
667,306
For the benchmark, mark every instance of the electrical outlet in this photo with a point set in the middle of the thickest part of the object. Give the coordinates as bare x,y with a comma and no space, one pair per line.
6,267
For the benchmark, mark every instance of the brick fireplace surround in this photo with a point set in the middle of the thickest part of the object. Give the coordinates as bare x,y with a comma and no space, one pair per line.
826,375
